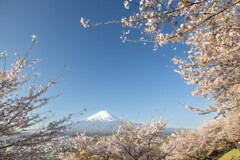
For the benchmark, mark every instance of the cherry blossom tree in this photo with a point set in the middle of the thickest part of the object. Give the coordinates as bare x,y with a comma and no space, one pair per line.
18,110
147,142
131,141
215,135
210,27
212,30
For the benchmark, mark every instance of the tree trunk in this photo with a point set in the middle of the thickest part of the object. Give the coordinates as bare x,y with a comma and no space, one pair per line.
237,145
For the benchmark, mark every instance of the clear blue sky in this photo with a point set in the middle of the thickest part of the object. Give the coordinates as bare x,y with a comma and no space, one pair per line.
129,80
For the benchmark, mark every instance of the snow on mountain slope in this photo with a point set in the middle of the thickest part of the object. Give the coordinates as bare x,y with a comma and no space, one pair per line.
103,116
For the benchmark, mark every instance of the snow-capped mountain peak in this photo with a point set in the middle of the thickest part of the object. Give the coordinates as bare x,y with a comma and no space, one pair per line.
102,122
102,116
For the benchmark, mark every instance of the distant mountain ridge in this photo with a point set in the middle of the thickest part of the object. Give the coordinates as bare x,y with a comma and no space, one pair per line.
103,122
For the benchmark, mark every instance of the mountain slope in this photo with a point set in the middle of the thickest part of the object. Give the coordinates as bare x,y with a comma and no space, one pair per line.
103,116
102,122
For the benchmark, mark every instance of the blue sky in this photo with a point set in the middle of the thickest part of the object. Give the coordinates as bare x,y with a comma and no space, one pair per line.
129,80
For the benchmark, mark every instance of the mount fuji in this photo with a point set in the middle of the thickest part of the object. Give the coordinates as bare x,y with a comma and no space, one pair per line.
103,116
102,122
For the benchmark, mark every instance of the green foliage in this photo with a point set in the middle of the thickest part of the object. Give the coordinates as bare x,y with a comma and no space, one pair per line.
220,151
232,155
